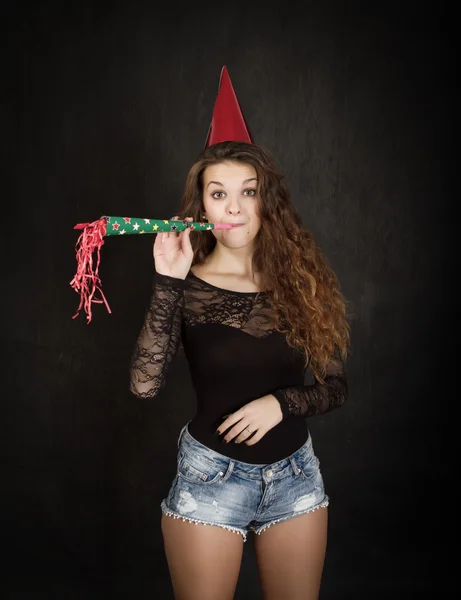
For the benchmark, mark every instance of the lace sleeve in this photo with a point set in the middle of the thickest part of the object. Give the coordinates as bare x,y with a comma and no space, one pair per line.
159,338
316,399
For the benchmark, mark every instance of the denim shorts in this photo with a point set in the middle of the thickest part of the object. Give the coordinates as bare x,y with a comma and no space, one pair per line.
213,489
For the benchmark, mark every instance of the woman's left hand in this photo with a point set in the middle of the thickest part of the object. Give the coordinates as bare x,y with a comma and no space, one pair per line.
253,421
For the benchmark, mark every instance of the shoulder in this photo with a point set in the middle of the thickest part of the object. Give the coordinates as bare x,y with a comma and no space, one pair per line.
197,270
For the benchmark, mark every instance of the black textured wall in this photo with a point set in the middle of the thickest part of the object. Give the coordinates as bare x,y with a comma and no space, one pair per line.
103,111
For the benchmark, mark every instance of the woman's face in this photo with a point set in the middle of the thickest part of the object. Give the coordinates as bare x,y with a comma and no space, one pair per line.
230,195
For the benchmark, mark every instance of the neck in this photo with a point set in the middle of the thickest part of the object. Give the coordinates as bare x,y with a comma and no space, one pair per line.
227,261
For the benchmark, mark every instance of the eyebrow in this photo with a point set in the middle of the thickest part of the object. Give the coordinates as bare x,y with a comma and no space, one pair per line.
243,182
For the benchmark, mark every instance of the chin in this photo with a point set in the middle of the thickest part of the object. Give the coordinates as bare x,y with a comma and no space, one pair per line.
241,240
237,244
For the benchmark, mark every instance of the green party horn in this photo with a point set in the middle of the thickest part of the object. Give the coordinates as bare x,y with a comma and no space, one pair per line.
86,281
134,225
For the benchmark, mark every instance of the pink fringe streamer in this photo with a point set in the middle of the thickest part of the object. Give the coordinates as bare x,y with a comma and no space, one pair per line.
86,281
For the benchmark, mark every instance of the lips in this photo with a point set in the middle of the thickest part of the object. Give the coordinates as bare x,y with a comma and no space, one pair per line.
237,224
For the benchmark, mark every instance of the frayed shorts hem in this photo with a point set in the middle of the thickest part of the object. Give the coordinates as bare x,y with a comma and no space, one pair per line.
170,513
262,528
256,530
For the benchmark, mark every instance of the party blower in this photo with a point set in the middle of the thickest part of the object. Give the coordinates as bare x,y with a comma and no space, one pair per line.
227,123
86,281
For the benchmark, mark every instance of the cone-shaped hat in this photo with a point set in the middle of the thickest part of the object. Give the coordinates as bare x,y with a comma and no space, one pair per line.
228,122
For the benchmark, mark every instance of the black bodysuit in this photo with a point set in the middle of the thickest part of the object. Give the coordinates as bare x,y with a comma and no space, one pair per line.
235,356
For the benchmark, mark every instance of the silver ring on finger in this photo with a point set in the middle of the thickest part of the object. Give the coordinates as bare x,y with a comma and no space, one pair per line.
249,430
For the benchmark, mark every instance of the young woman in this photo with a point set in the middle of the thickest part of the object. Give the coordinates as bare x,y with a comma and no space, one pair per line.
253,307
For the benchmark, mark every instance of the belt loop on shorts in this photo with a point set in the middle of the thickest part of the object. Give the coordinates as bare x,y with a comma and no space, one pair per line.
294,466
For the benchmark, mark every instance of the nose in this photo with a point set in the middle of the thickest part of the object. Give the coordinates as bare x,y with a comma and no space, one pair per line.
233,207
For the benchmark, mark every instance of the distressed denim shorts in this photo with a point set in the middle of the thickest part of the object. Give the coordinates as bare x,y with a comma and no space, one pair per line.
213,489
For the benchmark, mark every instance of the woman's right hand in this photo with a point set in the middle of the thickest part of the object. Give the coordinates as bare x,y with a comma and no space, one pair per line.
173,252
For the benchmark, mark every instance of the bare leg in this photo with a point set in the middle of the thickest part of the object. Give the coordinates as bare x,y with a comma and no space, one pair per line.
204,560
290,556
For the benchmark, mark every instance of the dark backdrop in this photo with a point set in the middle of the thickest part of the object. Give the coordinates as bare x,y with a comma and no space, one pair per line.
103,111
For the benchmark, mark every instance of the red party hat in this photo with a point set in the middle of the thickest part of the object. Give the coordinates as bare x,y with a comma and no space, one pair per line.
228,122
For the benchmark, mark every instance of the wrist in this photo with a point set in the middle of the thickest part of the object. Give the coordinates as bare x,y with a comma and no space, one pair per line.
169,280
279,398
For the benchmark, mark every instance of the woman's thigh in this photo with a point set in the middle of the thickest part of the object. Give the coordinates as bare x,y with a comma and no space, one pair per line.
290,556
203,560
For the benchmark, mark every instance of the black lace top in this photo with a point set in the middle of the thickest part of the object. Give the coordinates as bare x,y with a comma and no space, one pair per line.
235,356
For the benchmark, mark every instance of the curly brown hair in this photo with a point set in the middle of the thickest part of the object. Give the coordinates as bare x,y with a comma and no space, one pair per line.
302,287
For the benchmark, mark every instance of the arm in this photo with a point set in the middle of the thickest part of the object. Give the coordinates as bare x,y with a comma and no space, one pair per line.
316,399
159,338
